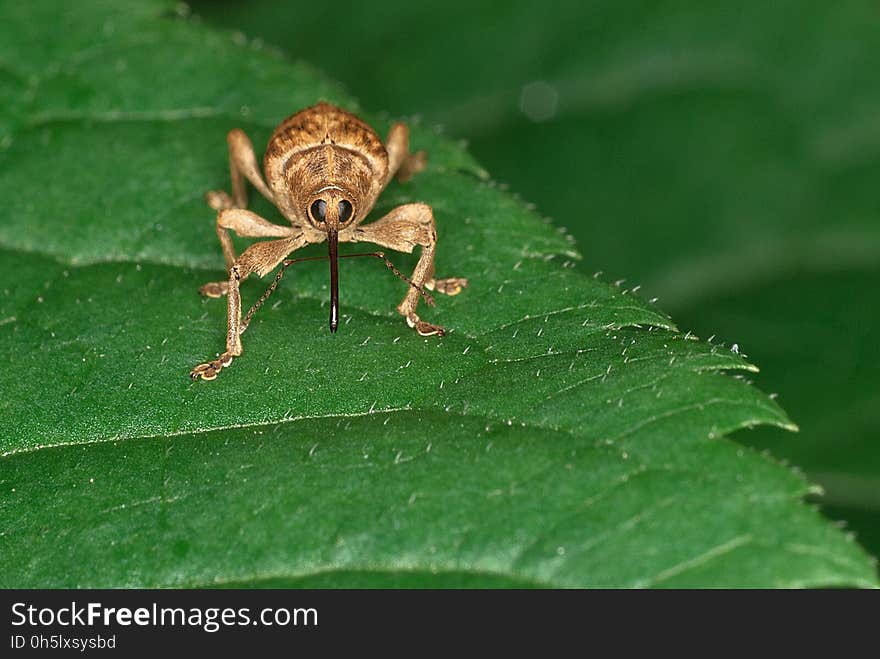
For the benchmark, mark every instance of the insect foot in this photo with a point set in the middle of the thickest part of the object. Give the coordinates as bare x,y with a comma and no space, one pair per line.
414,163
423,328
219,200
209,370
448,286
214,289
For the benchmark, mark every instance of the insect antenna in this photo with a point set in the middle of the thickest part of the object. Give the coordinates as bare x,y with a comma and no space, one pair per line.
429,299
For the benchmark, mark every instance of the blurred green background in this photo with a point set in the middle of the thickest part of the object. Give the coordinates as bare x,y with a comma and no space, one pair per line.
723,156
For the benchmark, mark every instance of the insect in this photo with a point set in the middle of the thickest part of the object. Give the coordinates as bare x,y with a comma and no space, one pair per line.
324,169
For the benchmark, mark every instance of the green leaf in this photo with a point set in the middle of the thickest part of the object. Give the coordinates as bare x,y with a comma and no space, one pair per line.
728,156
751,135
564,434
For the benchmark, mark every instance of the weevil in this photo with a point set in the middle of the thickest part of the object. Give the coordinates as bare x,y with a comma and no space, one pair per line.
324,169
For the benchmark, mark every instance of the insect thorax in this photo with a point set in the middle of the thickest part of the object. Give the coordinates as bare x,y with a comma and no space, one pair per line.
324,145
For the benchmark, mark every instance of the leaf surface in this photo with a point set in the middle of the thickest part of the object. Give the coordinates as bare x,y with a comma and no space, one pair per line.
728,156
563,434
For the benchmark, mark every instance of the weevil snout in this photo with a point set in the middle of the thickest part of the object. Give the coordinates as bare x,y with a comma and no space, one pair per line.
330,211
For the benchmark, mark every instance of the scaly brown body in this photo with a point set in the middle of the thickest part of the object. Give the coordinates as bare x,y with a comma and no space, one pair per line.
324,169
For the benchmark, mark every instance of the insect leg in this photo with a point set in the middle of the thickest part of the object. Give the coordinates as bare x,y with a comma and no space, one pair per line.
246,224
243,165
400,161
259,258
401,230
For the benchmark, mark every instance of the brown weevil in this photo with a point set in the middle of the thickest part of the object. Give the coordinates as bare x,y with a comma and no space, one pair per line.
324,169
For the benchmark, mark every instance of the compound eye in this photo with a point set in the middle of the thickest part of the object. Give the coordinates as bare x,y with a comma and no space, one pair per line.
345,211
319,210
